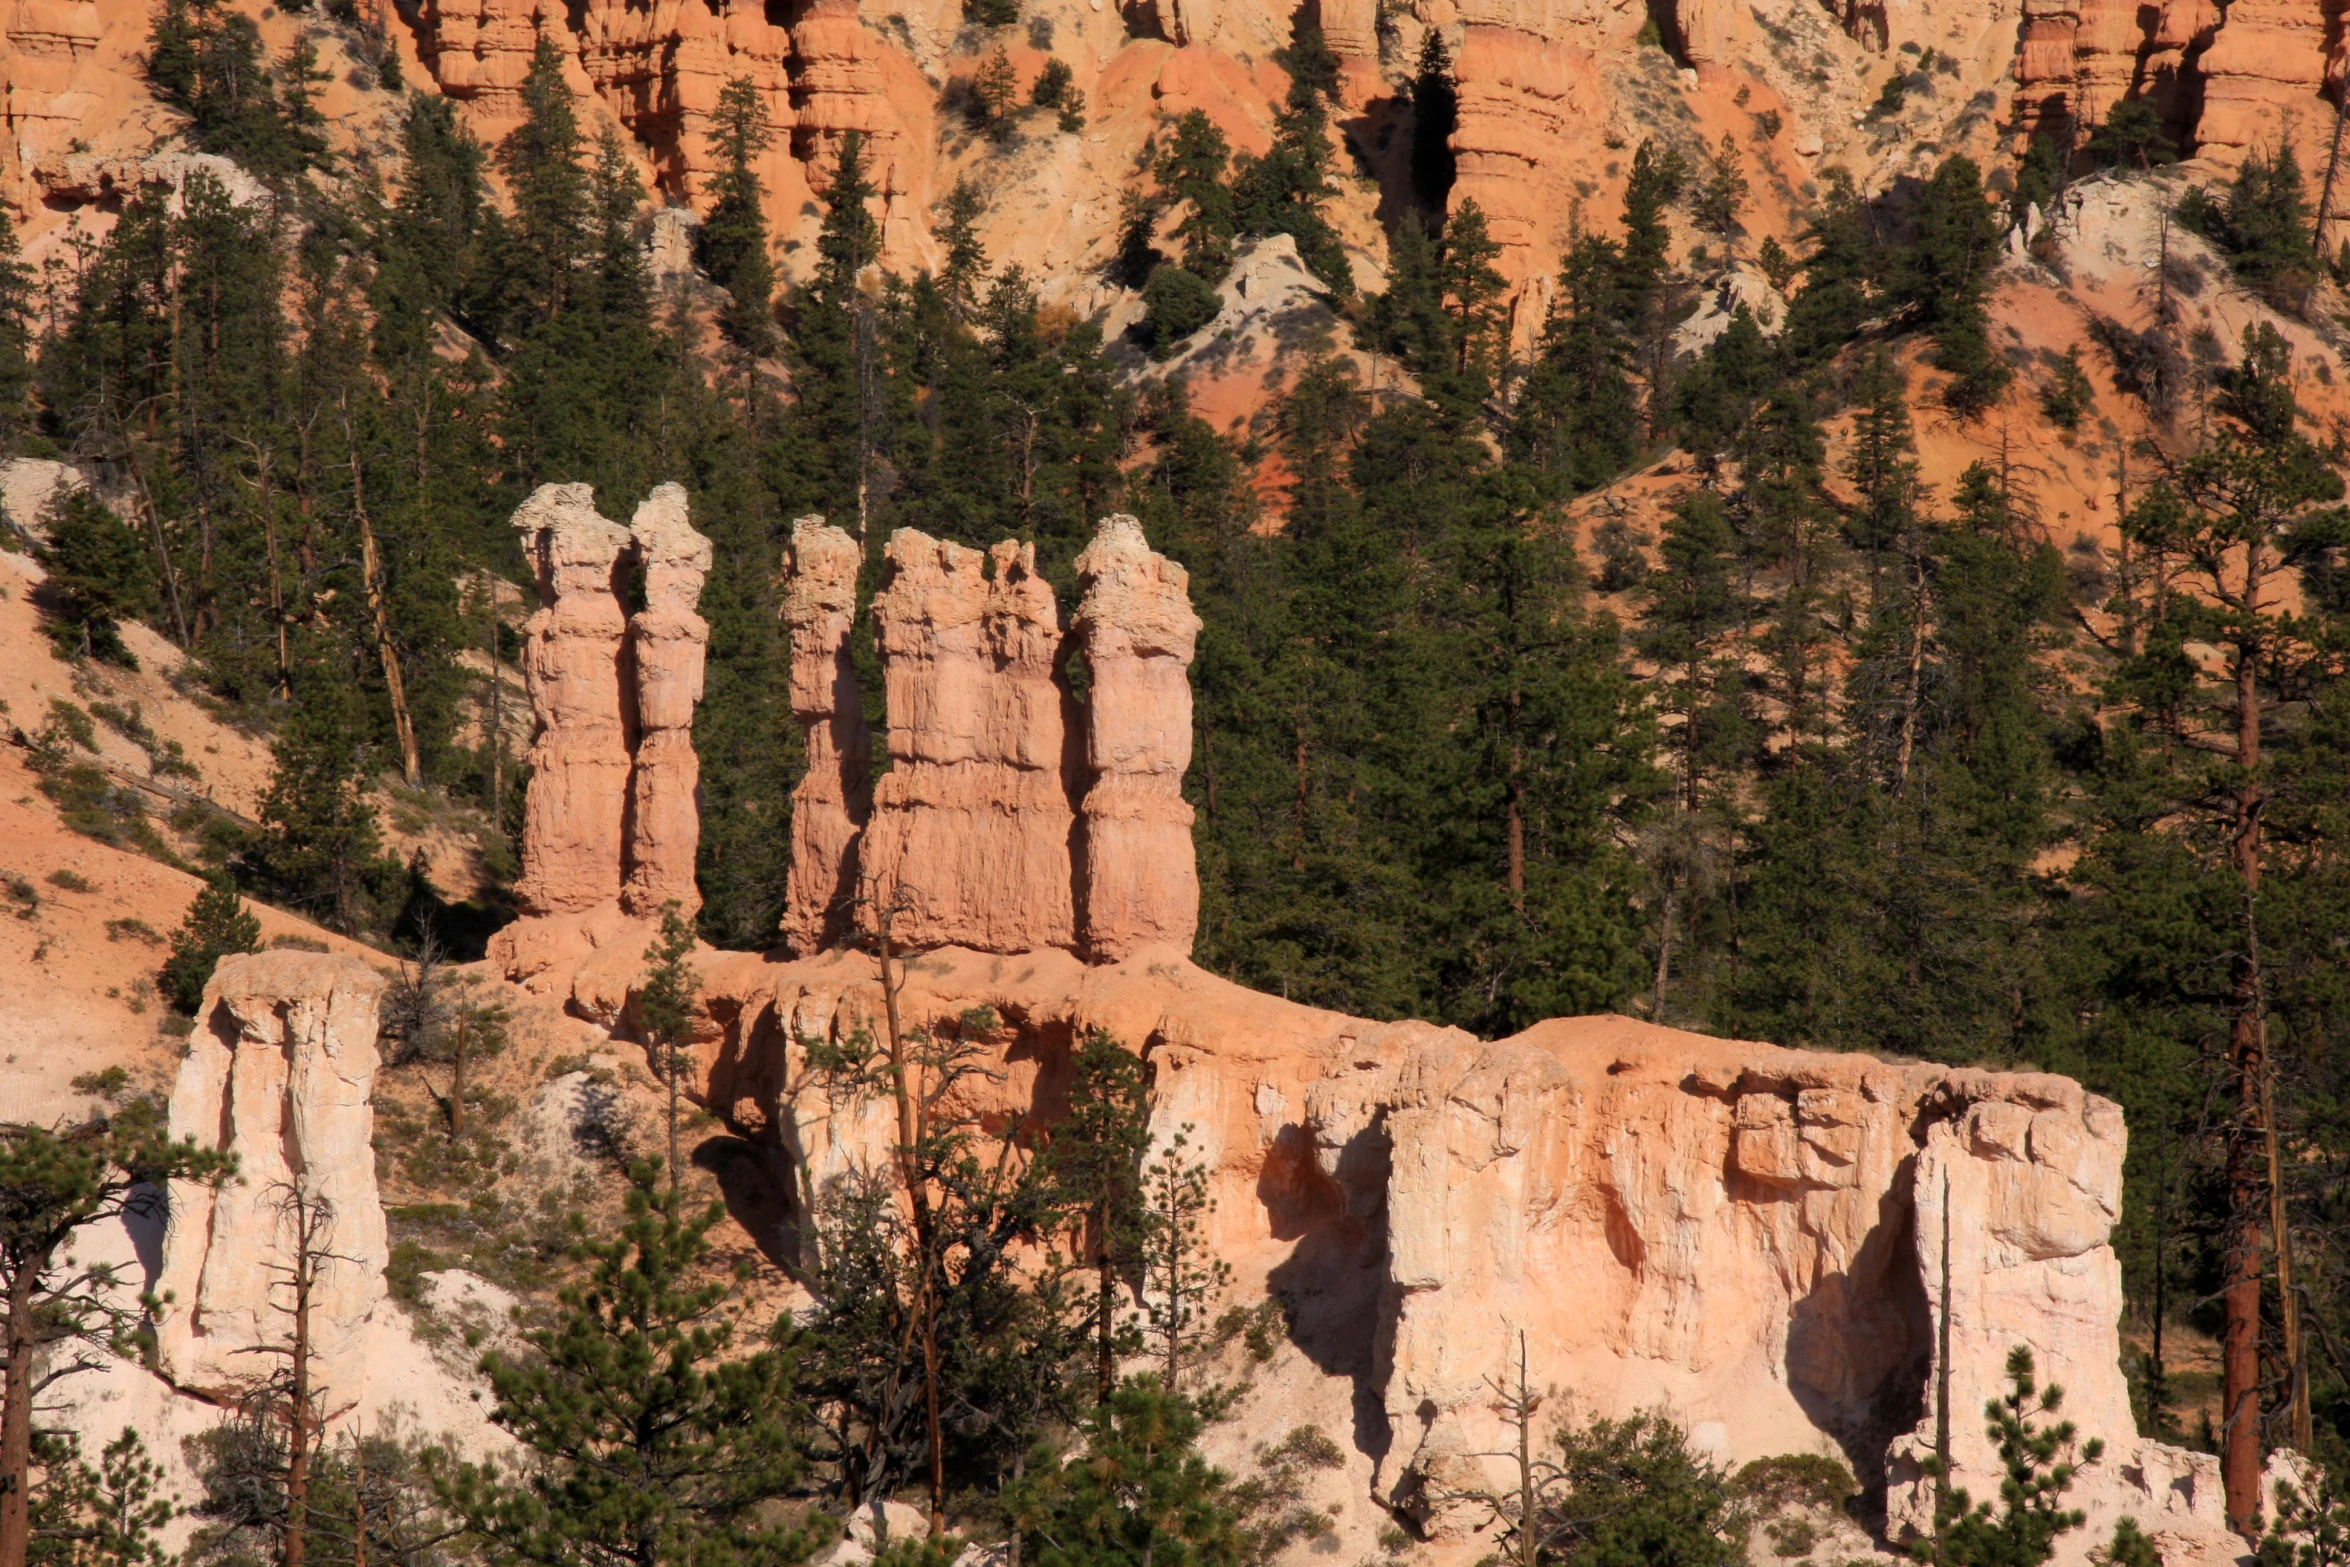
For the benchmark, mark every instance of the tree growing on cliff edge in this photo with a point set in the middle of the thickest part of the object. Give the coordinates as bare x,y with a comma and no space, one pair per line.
60,1315
217,924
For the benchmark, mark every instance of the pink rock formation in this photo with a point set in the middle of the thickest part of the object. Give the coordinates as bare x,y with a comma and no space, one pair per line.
969,839
667,643
834,796
583,695
278,1072
43,66
1141,879
2265,81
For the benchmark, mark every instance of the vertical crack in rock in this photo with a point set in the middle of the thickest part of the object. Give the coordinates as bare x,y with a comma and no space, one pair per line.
1141,876
576,664
278,1073
668,643
834,797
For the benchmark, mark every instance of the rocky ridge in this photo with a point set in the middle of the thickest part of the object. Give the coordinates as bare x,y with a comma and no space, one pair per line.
1785,1250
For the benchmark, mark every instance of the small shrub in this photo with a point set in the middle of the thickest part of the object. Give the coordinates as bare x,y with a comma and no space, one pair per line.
24,894
287,941
1176,304
1891,98
107,1084
2068,394
1052,84
69,881
131,928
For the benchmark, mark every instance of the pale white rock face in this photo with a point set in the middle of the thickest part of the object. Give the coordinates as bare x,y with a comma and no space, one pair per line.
278,1073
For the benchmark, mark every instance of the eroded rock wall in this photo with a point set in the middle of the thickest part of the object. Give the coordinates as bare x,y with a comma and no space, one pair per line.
278,1072
969,842
834,796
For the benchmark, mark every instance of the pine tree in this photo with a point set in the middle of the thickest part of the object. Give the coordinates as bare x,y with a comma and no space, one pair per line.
320,849
58,1314
656,1440
2041,1463
665,1010
1181,1279
1138,1492
734,233
100,573
1095,1164
216,925
1191,172
542,162
1944,278
1435,116
16,323
1723,196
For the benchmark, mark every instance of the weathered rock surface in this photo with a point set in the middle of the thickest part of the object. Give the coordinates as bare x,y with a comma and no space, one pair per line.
833,798
969,842
667,644
575,661
278,1073
1141,874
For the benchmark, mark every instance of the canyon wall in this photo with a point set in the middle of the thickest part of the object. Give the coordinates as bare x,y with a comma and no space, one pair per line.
833,798
279,1073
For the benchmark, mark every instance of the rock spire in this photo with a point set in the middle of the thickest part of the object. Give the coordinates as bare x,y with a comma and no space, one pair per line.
834,796
668,644
1141,882
611,819
583,695
278,1073
969,844
976,836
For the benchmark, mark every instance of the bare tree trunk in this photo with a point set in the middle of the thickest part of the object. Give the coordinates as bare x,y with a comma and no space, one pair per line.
906,1094
2240,1454
1913,686
298,1398
2301,1433
16,1422
457,1085
411,763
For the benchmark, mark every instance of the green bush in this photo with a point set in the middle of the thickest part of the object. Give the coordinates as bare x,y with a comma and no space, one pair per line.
217,924
1176,304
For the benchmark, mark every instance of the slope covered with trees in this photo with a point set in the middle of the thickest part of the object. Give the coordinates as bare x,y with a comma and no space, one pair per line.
1867,765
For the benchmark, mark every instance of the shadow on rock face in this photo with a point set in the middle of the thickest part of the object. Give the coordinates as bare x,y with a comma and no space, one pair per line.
1333,1287
756,1185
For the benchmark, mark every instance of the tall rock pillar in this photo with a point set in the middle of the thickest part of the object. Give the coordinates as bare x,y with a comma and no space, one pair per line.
835,795
278,1072
971,828
576,664
668,643
1136,623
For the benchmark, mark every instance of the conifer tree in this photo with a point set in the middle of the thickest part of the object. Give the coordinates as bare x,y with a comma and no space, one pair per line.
216,925
16,325
320,848
55,1314
656,1440
1139,1491
100,573
1435,116
1944,277
734,233
1191,172
542,162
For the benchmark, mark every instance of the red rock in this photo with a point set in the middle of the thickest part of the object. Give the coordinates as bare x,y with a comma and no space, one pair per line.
1141,877
667,644
970,834
576,664
834,797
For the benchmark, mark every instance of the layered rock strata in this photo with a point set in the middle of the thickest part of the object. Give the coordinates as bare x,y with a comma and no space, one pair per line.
668,644
834,796
278,1073
969,842
1135,623
576,664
